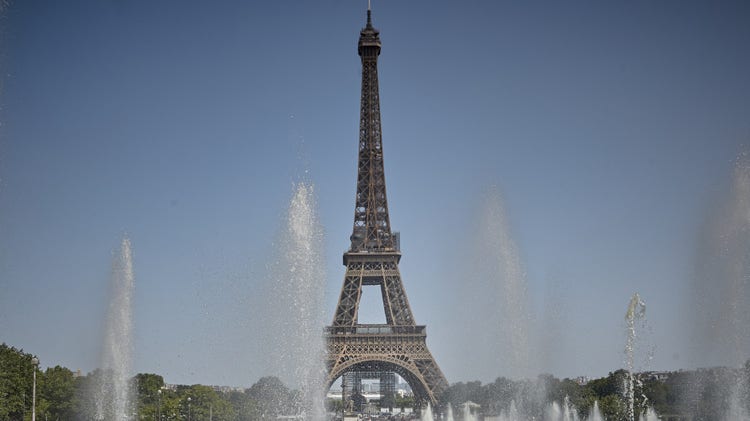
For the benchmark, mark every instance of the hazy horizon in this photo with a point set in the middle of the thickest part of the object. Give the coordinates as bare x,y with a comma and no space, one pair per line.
608,141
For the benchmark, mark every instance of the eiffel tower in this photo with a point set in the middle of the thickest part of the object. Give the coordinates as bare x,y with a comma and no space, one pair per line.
398,346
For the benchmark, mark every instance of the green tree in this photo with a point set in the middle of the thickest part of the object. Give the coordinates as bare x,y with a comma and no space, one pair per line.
610,385
244,406
58,394
498,395
613,407
458,393
205,402
401,402
656,392
170,407
148,389
570,389
16,380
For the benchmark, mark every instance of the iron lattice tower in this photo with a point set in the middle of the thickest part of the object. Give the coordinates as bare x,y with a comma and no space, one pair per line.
399,345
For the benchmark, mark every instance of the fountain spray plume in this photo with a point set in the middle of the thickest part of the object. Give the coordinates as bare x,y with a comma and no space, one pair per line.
502,280
297,307
721,303
496,292
511,414
468,415
596,413
114,393
650,415
427,414
636,313
557,412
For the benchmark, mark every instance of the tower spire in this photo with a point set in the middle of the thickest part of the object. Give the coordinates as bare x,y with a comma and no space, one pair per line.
372,227
369,15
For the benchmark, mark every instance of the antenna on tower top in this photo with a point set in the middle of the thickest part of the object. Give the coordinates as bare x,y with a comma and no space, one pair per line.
369,15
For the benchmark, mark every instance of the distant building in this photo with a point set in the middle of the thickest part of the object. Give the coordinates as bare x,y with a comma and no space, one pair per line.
227,389
220,389
655,375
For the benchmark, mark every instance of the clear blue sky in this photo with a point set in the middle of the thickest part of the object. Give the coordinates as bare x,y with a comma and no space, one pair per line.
610,128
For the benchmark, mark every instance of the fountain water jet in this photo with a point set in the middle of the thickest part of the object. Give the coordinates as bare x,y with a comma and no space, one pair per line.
721,305
650,415
511,414
449,413
564,412
500,277
569,412
297,305
553,413
636,312
427,414
596,413
468,415
114,394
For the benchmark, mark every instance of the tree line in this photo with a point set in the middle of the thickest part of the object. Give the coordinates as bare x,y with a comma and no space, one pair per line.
704,394
62,395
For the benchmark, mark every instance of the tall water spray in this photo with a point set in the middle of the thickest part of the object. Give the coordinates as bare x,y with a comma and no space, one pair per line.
650,415
427,414
297,305
502,281
721,303
636,313
596,413
468,415
113,394
511,414
449,413
564,412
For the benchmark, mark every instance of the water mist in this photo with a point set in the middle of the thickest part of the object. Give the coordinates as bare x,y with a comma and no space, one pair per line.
427,413
596,413
297,304
500,279
721,304
113,394
636,313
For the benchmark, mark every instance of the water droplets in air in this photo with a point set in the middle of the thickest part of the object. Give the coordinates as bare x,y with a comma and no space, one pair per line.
449,413
427,414
721,304
296,307
596,413
113,394
500,292
635,315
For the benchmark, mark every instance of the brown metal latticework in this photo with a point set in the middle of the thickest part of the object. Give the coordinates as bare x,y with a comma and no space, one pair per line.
399,346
